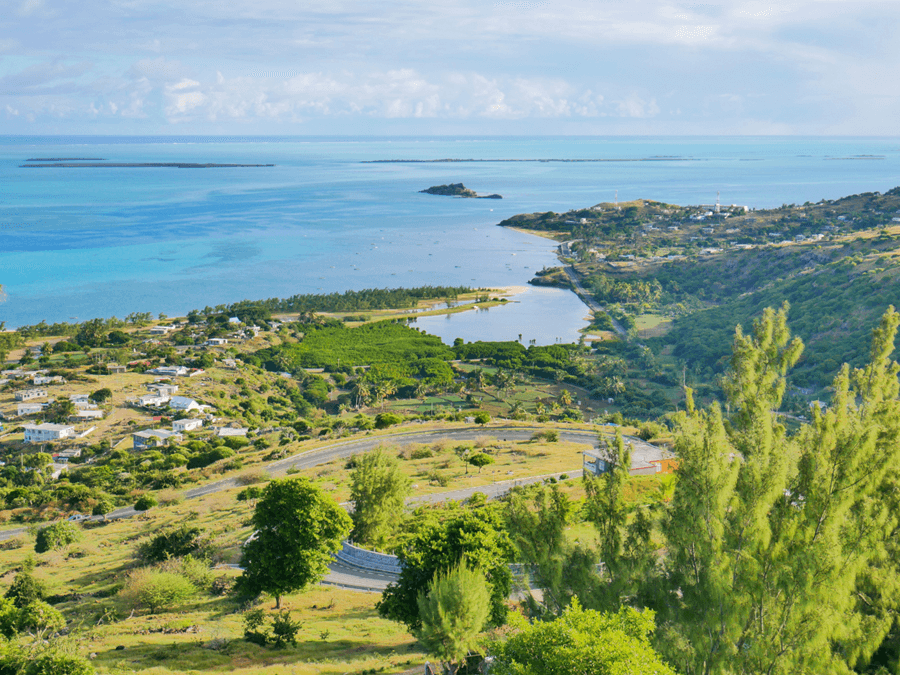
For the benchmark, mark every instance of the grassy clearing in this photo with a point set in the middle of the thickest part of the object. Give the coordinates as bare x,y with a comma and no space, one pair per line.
652,325
444,470
341,631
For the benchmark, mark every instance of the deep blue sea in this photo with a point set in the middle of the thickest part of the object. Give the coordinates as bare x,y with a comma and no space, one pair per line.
87,242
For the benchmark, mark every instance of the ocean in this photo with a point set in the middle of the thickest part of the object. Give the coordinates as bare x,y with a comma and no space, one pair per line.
78,243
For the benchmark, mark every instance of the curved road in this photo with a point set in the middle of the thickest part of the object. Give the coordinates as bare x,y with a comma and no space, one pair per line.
359,578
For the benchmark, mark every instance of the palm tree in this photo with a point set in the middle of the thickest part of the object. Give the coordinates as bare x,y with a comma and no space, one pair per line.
564,398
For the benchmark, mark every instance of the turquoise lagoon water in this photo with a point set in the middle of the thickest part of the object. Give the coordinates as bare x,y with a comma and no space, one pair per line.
102,242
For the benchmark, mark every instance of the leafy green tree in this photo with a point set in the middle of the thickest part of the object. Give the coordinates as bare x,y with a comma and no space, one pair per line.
101,395
298,530
480,459
378,490
478,536
581,641
55,536
453,613
482,417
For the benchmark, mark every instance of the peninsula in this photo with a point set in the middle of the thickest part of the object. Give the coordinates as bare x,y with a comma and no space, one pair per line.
457,190
139,165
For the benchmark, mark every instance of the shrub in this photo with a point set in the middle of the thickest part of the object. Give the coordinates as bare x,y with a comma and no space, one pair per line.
548,435
174,542
39,616
482,417
385,420
284,629
102,507
55,536
249,493
253,477
421,453
253,627
25,589
156,589
145,502
206,458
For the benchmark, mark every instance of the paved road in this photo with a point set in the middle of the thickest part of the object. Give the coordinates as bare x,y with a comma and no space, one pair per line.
348,576
590,302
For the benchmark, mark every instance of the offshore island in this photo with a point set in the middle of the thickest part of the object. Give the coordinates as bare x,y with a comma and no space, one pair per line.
457,190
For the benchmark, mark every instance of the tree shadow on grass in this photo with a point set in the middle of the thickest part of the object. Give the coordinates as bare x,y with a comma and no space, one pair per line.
190,653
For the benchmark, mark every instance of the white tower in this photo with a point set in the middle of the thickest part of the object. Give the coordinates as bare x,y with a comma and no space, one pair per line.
717,202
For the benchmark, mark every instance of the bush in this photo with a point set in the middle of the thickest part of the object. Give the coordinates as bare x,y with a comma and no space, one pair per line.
55,536
249,493
25,589
548,435
204,459
421,453
145,503
385,420
482,417
156,590
39,616
174,543
102,507
284,630
39,660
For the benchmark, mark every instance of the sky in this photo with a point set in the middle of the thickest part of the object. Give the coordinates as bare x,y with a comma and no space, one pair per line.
453,67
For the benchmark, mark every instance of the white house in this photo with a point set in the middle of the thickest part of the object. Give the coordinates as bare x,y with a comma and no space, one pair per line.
152,438
160,330
28,394
216,342
40,433
116,369
89,414
183,403
79,398
153,400
186,425
224,432
28,408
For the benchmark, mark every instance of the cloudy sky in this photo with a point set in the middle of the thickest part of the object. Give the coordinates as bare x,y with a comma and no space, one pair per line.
449,67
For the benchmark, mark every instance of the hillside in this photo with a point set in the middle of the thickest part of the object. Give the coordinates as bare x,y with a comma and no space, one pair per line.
694,272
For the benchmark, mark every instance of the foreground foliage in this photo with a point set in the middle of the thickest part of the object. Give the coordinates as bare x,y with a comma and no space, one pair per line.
453,614
581,641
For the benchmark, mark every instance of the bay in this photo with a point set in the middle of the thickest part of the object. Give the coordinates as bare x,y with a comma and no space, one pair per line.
87,242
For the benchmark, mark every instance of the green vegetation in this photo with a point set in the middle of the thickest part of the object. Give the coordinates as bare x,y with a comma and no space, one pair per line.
453,612
298,529
581,641
378,490
56,536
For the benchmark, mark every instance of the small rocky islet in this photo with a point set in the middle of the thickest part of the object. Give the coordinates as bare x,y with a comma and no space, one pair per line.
457,190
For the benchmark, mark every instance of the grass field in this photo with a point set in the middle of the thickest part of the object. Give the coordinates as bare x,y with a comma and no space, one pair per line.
341,631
